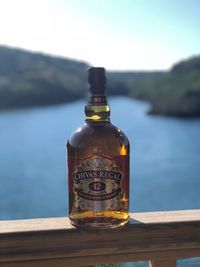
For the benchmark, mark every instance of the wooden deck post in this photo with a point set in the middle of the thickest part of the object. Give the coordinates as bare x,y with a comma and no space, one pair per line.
171,263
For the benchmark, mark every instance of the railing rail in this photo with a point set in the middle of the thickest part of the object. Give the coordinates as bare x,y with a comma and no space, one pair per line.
159,237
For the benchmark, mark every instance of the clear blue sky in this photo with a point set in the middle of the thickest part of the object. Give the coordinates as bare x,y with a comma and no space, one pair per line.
116,34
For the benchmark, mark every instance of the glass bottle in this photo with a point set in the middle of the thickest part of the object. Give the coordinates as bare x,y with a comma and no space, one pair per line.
98,164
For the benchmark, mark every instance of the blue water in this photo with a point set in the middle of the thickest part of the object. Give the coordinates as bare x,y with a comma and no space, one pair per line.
165,159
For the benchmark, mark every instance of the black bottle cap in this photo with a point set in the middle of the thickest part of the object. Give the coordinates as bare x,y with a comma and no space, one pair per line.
97,80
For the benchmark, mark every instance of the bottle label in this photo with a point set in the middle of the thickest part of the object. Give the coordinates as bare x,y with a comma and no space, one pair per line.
97,183
98,100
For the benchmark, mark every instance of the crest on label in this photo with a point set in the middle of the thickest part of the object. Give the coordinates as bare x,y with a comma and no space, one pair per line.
97,183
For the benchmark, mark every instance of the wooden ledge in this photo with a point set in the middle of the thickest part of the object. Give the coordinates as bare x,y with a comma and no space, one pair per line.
54,242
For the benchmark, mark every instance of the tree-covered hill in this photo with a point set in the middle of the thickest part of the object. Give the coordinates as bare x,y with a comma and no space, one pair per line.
177,92
33,79
29,79
172,93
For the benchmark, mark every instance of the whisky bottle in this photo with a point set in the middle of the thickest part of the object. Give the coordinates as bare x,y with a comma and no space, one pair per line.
98,164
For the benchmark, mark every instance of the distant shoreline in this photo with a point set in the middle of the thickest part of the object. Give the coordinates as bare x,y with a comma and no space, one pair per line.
30,79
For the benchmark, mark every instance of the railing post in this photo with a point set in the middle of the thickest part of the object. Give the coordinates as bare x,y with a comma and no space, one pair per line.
167,263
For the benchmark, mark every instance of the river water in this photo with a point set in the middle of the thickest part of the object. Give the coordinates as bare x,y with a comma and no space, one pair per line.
165,159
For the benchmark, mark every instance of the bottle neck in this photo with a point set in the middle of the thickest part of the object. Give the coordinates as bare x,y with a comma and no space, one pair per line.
97,109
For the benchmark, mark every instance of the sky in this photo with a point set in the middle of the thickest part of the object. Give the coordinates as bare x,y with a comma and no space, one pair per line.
115,34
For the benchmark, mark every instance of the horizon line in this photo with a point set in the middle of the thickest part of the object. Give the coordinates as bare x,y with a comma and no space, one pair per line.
45,53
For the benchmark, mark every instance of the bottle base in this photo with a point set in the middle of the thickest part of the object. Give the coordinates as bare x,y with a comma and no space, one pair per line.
100,220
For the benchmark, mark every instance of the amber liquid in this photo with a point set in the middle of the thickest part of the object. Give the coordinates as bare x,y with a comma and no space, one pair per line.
99,137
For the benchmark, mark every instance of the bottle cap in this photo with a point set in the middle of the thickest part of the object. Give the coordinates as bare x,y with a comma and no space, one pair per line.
97,80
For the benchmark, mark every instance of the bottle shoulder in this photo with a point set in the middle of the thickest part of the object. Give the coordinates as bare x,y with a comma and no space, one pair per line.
105,133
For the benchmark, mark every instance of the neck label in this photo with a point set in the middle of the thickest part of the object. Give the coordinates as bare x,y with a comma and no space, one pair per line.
98,100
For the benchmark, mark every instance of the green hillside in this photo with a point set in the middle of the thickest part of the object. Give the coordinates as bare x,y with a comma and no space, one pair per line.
29,79
33,79
172,93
